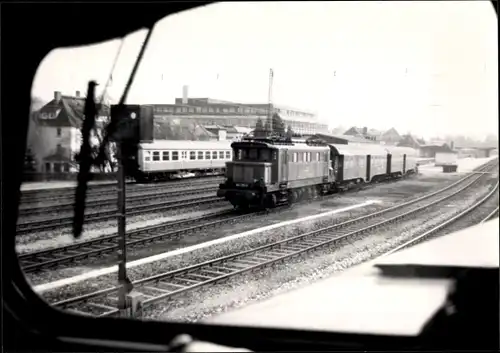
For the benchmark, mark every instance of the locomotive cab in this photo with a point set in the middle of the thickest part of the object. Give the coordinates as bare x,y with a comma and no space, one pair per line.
251,172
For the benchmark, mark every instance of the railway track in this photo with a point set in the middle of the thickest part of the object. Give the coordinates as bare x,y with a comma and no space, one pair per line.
451,221
132,201
492,215
60,194
53,223
51,258
167,285
67,255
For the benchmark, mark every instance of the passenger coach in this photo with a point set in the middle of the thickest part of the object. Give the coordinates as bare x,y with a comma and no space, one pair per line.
164,159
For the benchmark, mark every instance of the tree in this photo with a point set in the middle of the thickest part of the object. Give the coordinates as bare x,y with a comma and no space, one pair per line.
267,128
278,127
289,133
259,129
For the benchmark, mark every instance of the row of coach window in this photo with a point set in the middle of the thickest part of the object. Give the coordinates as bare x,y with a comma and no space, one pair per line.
157,156
298,157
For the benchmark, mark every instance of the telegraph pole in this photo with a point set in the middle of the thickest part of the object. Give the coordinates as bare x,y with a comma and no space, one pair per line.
122,248
269,100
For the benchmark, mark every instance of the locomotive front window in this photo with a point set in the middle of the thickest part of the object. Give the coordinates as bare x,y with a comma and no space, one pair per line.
265,155
156,156
175,156
252,154
192,155
166,155
200,155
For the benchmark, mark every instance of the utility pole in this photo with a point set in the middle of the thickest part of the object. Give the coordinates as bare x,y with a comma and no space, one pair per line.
269,99
122,248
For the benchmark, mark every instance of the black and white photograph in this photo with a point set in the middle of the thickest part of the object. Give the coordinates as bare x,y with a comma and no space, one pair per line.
321,167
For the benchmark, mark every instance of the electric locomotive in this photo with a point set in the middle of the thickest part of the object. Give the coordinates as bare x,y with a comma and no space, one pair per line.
269,172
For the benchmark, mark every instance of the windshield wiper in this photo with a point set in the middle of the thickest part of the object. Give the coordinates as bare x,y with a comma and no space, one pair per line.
112,129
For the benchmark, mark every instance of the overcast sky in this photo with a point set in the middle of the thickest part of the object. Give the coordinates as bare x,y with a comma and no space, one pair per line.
428,67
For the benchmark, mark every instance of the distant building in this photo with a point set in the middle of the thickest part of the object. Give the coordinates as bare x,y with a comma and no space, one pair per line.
410,141
429,151
232,133
390,137
55,134
329,138
208,111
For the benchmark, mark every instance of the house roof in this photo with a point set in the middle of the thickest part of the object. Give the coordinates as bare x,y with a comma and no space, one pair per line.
409,140
67,112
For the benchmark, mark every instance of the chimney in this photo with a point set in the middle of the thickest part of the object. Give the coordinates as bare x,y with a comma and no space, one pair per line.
184,94
365,130
57,96
77,94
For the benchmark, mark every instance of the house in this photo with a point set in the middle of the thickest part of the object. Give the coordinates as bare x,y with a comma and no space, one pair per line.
429,151
55,136
390,137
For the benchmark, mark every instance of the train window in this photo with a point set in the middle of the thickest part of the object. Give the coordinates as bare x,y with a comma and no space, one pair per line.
275,155
207,155
200,155
221,154
228,154
184,155
318,156
294,158
166,155
239,154
192,155
252,154
175,155
156,156
214,155
301,157
147,156
265,155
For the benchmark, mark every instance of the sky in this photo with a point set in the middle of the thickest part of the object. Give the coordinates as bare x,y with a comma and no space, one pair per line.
430,67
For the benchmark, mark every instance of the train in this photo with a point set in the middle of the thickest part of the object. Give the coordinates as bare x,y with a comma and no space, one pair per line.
270,172
170,159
